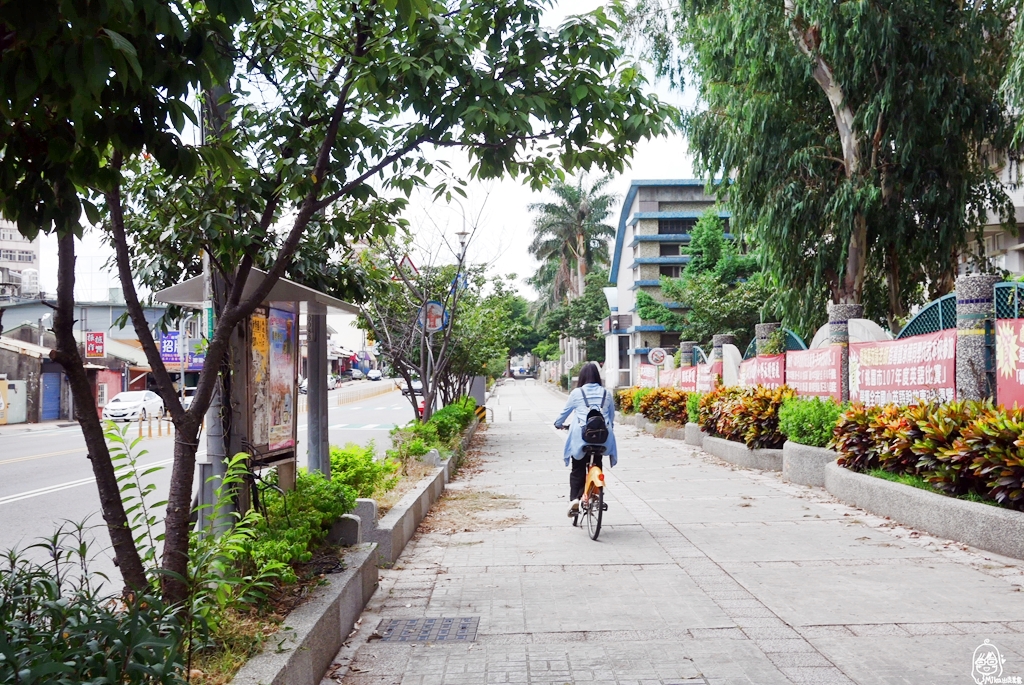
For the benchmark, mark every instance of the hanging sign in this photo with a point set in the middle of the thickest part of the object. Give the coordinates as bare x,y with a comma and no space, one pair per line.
95,344
771,370
708,375
815,372
748,372
922,367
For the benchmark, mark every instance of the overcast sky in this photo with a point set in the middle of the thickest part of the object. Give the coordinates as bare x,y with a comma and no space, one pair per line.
499,208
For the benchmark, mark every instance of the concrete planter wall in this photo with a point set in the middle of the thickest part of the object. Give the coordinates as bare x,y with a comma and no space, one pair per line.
694,435
739,454
805,464
980,525
310,637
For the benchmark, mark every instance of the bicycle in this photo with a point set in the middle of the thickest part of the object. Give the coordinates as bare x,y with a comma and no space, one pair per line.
592,506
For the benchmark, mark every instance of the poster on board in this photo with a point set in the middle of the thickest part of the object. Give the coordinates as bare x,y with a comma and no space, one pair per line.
921,367
748,372
815,372
282,334
1010,362
260,377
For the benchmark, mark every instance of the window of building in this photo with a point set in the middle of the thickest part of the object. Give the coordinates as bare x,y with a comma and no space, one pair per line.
25,256
7,255
670,249
671,226
670,271
670,340
101,395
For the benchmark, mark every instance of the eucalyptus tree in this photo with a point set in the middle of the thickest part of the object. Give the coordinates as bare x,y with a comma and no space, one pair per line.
316,121
570,236
854,133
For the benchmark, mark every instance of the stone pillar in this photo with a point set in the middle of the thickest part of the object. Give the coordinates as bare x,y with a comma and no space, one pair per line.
686,353
975,320
718,341
761,333
318,448
839,316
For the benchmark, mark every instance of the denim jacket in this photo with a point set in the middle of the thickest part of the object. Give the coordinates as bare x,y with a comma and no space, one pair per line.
597,396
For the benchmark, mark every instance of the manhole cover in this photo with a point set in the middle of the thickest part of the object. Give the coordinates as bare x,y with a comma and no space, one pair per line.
461,629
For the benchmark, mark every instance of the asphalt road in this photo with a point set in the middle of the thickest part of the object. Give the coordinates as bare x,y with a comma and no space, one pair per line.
46,478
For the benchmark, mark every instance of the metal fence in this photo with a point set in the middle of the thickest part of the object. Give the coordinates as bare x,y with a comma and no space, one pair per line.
1008,300
794,343
935,316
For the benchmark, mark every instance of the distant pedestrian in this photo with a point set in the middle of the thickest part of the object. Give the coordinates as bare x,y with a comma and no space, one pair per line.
588,394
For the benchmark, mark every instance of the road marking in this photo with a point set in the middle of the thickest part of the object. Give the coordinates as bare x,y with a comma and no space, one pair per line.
338,425
368,426
67,486
380,408
41,456
354,408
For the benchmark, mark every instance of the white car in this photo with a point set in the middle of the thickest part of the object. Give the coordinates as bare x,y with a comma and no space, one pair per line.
374,375
190,393
332,381
134,405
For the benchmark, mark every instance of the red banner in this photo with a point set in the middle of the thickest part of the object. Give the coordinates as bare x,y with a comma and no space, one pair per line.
707,376
647,376
748,372
815,372
1010,362
771,370
922,367
667,378
688,378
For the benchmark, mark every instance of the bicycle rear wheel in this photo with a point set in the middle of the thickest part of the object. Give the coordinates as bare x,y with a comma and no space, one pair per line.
595,510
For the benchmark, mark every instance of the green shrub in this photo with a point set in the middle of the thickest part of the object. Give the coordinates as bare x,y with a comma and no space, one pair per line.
693,406
451,420
61,626
776,343
638,397
809,421
296,522
358,468
994,442
756,416
624,400
853,439
664,404
942,464
716,410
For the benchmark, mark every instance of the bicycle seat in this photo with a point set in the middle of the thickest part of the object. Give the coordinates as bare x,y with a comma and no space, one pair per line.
593,449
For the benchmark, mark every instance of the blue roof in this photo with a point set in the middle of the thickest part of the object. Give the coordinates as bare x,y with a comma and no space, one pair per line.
620,234
676,260
641,284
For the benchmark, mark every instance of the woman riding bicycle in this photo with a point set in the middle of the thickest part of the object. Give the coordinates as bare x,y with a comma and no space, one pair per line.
588,394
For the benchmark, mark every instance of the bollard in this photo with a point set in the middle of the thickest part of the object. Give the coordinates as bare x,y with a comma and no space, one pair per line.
140,426
510,414
149,423
160,427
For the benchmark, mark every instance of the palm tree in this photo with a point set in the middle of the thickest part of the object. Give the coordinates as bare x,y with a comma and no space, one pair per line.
570,238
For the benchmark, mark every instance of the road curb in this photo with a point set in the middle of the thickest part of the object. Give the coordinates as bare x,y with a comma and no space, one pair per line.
804,464
984,526
739,454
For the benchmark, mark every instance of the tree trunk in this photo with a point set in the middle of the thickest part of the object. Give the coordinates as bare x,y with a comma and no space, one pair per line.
581,264
112,507
178,516
892,281
852,287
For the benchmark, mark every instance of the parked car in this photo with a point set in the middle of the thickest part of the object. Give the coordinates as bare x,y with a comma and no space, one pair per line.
132,405
374,375
416,388
332,381
357,375
190,392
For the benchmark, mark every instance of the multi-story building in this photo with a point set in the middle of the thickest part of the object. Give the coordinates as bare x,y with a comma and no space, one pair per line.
654,226
17,253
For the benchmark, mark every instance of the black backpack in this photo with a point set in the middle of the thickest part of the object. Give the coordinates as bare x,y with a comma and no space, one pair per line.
595,430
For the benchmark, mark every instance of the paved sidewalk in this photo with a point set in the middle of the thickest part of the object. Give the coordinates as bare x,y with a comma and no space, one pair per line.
704,573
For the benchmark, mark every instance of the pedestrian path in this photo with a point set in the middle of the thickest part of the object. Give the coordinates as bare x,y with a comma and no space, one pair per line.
704,573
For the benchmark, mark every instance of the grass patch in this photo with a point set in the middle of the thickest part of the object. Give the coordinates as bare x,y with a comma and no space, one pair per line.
920,483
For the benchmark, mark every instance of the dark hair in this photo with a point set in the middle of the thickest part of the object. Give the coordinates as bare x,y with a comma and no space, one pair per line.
589,374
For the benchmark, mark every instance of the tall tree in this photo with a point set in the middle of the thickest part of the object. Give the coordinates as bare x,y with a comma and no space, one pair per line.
570,236
327,121
853,132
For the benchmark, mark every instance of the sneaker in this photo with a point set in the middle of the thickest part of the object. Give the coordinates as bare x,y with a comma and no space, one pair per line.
574,507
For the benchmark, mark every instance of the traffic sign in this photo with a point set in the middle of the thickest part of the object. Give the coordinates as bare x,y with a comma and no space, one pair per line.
433,317
407,267
657,356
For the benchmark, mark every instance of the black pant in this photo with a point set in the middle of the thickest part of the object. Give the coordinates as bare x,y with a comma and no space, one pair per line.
578,475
